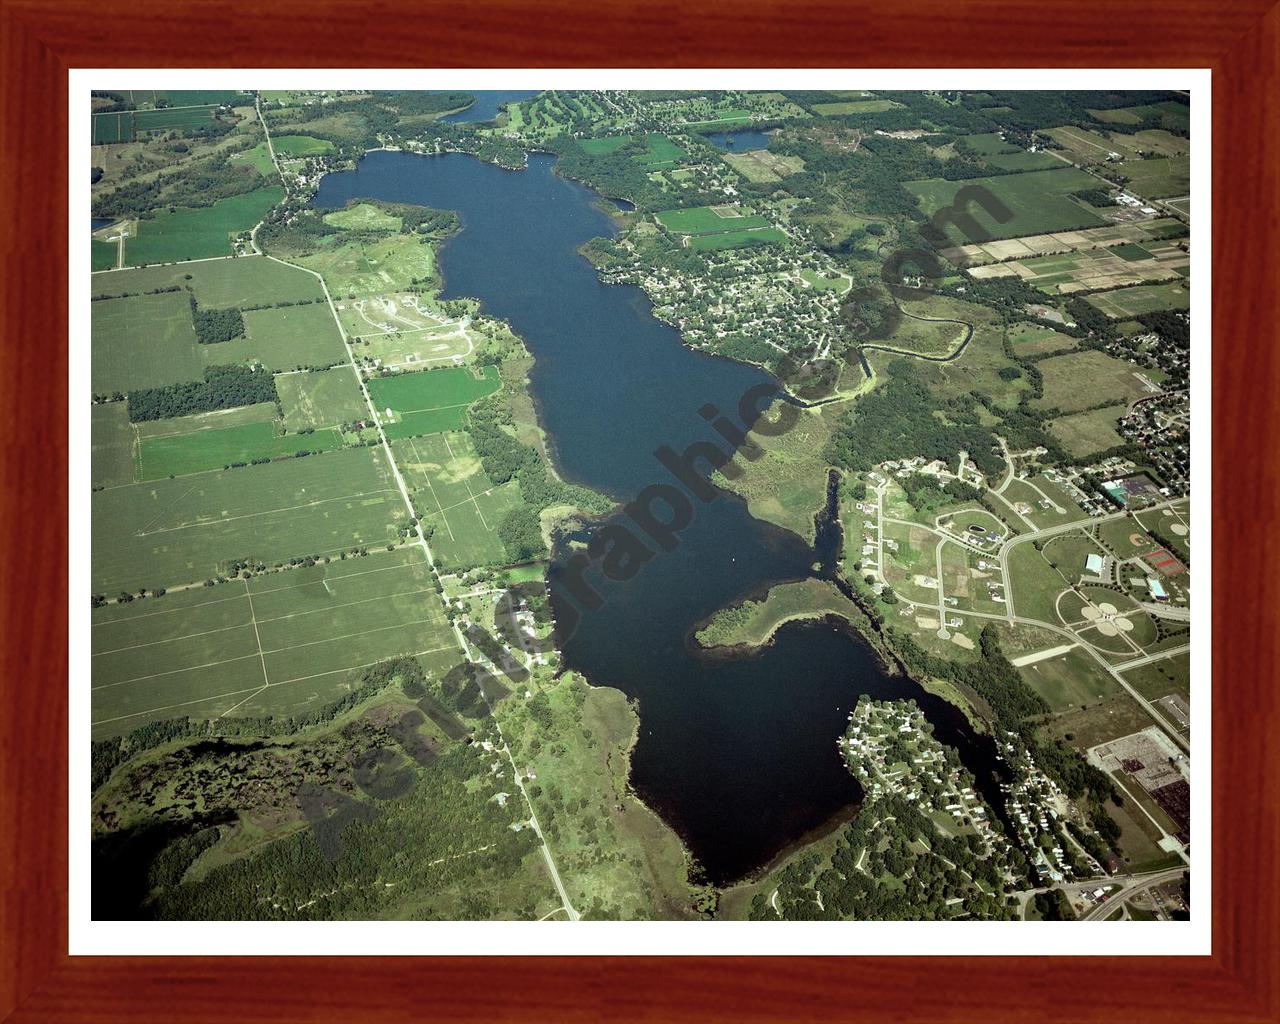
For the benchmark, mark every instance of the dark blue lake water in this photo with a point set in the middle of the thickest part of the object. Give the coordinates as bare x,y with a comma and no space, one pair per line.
485,108
738,754
737,142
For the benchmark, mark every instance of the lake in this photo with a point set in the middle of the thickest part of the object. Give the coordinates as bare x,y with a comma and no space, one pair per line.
737,754
738,142
485,108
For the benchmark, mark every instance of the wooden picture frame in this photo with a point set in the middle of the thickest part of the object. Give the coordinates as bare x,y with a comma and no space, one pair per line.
41,39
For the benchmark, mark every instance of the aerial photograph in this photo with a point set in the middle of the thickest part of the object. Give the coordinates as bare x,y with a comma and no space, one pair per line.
623,505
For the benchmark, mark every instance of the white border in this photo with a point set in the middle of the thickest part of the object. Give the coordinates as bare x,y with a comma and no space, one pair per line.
88,937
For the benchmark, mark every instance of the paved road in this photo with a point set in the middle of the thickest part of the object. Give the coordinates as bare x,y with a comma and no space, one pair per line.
1132,887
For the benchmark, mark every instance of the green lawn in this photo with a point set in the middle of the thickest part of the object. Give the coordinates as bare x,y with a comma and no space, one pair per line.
429,401
1036,200
705,220
320,398
300,145
189,234
142,341
177,455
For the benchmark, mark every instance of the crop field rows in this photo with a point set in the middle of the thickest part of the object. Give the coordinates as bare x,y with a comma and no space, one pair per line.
456,498
165,533
1141,232
1037,201
274,644
142,341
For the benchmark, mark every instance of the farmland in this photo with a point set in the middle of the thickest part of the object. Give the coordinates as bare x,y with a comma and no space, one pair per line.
1128,302
710,228
219,284
278,644
164,533
111,463
430,401
455,498
143,341
190,234
177,455
853,107
1037,201
291,338
320,398
363,269
759,165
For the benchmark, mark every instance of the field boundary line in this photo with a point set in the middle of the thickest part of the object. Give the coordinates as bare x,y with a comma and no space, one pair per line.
266,680
171,672
348,636
466,482
168,640
430,486
344,576
164,611
319,675
170,707
349,604
265,512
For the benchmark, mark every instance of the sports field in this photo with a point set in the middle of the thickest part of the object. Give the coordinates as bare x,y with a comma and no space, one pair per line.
276,644
289,338
142,341
453,494
430,401
737,239
1036,200
187,234
300,145
111,433
180,454
219,284
1127,302
168,532
709,220
1082,380
320,398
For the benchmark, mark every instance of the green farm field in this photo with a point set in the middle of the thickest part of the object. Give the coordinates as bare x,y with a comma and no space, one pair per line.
218,419
111,433
295,337
430,401
174,118
207,450
103,255
1037,201
454,496
275,644
320,398
708,220
142,341
190,234
164,533
1126,302
219,284
1159,177
1033,340
363,217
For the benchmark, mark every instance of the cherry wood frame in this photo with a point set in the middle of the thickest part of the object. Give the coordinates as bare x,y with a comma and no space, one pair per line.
41,39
